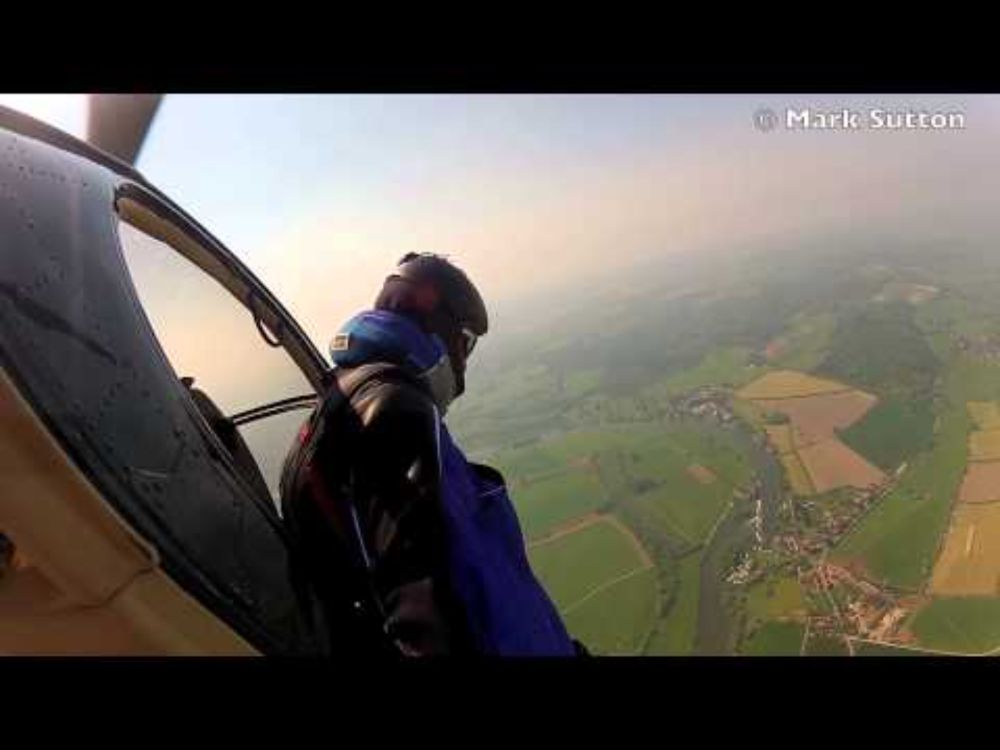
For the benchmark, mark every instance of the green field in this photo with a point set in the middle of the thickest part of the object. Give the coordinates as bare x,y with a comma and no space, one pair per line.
657,460
524,405
524,466
973,381
893,432
580,444
583,382
607,410
775,599
952,313
717,450
684,509
881,348
775,639
806,342
545,505
601,584
684,504
883,649
723,367
657,471
571,566
618,619
960,624
525,386
533,460
648,463
675,634
898,539
822,645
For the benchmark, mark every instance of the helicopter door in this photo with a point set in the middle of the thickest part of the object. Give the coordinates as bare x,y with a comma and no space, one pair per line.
245,368
215,329
129,510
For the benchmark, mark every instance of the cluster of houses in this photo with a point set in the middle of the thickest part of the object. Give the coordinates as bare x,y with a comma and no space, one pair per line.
982,347
865,611
706,402
834,519
868,611
744,571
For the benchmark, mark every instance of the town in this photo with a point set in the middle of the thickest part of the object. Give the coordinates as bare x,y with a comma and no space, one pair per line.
808,528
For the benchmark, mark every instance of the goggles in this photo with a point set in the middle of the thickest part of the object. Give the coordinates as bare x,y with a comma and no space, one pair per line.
468,341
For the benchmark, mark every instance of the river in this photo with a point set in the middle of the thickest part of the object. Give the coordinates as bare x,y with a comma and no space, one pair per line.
734,535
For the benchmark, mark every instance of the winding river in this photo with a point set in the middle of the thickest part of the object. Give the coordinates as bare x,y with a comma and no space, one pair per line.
734,535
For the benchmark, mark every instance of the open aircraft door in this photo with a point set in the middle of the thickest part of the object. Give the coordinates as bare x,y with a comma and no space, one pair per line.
136,489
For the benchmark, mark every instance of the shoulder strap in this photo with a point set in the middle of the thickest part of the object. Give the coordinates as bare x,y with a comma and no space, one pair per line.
344,387
346,383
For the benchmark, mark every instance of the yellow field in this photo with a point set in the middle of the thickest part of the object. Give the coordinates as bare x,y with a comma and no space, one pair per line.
789,384
986,414
981,483
969,564
984,445
831,464
797,476
780,436
818,418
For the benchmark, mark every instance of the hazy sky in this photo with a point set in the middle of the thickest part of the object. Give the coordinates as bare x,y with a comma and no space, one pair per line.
321,194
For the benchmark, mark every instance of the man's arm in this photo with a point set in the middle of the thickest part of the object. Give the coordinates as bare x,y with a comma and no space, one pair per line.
400,511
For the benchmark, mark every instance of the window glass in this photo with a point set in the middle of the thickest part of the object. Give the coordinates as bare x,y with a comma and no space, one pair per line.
208,335
269,440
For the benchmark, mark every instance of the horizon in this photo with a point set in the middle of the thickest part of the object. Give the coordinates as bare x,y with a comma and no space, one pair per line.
310,190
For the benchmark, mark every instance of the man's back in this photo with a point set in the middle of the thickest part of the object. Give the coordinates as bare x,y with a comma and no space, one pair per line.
434,538
398,501
382,440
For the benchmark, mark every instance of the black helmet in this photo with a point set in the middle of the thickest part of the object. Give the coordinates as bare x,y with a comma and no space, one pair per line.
440,297
458,298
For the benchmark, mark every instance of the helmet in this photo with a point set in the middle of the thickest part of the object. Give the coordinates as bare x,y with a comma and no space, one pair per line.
441,298
456,296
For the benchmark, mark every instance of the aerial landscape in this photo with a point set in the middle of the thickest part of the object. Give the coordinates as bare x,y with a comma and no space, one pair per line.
743,383
777,455
736,357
